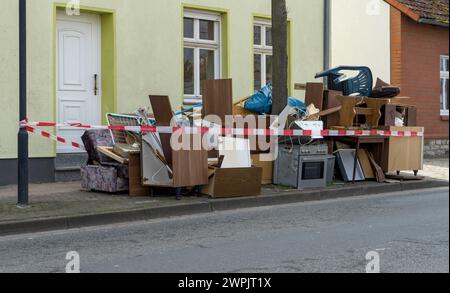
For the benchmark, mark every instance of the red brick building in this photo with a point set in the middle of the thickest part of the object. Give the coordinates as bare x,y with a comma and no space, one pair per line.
419,60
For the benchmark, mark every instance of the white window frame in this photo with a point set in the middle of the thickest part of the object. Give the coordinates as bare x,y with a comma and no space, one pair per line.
198,44
444,75
262,49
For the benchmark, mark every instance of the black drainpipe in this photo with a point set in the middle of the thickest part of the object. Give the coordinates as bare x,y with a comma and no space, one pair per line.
327,34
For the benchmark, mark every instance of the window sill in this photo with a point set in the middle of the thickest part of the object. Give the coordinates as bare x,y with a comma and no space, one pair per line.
444,117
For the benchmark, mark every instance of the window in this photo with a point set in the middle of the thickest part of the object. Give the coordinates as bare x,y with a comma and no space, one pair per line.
202,42
262,42
444,86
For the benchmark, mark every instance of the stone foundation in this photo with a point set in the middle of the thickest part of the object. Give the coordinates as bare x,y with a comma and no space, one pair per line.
436,148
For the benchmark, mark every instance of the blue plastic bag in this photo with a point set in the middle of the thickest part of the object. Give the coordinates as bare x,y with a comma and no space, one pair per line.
297,104
261,102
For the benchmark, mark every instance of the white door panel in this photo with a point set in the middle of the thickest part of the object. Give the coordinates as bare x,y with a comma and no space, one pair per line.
73,59
78,61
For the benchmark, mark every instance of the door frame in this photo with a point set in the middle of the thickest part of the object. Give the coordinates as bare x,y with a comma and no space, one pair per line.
68,95
108,61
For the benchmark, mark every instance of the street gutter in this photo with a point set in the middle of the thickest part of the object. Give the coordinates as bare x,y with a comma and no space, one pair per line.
209,206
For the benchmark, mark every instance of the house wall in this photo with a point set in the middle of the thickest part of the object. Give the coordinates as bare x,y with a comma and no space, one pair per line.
360,35
149,55
416,69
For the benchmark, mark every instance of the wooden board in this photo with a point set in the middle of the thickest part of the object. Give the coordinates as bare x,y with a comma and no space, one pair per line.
162,111
135,178
364,160
299,86
379,174
314,94
347,114
124,150
234,183
330,101
218,98
108,151
267,169
190,168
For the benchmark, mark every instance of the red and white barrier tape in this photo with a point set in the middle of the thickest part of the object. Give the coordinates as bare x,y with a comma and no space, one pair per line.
30,126
233,131
54,137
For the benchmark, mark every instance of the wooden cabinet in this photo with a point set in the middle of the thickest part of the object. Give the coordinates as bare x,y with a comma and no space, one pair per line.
403,153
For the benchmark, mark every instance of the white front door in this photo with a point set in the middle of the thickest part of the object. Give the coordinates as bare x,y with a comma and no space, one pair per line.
78,87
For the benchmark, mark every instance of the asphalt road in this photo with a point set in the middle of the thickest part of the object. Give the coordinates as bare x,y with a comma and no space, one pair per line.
409,231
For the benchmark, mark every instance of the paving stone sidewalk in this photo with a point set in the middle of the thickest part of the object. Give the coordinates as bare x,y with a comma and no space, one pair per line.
437,169
67,199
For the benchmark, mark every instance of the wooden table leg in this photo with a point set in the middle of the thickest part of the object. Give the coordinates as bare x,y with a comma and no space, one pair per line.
178,193
356,162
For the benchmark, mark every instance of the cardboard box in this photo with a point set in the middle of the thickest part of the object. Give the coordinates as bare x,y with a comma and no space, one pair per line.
234,182
267,169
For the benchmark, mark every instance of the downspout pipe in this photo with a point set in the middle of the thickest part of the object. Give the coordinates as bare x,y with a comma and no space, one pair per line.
327,35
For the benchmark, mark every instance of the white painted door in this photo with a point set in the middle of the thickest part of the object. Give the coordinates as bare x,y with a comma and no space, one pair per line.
78,87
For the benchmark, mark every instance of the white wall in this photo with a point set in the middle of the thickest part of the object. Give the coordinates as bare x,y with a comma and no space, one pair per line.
360,35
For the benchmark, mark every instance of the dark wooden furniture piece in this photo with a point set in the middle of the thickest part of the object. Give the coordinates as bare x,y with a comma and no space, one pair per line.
330,101
135,176
163,113
217,101
217,98
389,113
189,166
314,94
378,143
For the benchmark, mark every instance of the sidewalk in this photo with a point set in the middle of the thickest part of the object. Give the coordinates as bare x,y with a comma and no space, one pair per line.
65,205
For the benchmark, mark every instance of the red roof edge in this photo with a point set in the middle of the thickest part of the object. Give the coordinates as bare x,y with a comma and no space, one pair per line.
404,9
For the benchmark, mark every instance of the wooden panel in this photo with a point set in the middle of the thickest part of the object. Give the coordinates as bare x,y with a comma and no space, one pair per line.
347,113
364,160
218,98
364,111
314,94
373,119
388,115
124,150
109,152
190,168
162,111
330,101
267,169
404,153
234,183
134,174
299,86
